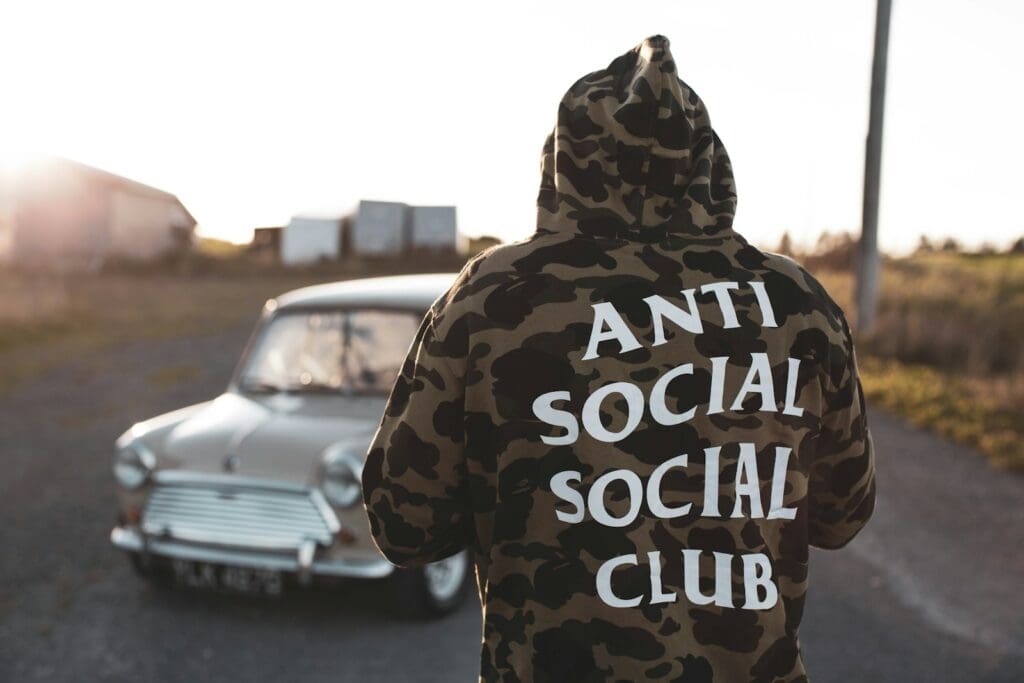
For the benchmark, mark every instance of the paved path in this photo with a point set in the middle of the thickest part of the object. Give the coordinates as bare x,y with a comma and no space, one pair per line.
929,591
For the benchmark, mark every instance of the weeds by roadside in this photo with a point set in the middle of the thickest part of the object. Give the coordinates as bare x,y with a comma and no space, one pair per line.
946,351
951,406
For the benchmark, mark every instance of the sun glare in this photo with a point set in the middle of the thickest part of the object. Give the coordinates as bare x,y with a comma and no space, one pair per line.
15,157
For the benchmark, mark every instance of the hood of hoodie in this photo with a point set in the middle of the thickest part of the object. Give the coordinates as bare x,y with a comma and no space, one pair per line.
633,156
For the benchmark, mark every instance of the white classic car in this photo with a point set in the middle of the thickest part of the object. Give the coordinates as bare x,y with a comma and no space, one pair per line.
262,484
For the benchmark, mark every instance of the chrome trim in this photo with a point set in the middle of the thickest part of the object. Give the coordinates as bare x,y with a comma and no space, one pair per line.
325,509
341,452
131,540
305,559
173,477
305,555
126,539
146,455
227,511
143,454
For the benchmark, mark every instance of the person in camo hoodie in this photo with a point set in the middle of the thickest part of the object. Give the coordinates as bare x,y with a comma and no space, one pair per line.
636,421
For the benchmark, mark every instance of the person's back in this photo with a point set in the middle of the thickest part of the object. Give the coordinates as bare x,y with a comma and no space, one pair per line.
636,421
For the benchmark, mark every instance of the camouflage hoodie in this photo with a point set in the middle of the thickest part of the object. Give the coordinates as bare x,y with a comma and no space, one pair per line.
634,419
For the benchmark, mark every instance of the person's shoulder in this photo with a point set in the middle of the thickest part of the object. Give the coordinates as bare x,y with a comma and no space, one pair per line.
793,287
477,298
505,259
496,266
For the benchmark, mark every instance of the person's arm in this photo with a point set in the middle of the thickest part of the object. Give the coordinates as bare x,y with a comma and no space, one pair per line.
841,495
414,476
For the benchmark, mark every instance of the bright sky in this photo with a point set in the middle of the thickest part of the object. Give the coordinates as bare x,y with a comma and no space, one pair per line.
252,112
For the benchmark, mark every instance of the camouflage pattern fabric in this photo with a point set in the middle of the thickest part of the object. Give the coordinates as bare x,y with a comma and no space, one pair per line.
635,420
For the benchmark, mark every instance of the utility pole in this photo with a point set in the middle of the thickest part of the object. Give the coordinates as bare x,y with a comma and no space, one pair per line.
869,262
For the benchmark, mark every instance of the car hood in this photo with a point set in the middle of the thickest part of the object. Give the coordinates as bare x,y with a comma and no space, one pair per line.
280,436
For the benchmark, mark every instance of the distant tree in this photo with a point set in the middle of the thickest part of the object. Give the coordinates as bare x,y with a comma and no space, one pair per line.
478,244
785,245
834,251
951,245
1018,246
924,246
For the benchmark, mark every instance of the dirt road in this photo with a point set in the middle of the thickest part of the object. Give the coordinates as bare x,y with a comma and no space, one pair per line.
929,592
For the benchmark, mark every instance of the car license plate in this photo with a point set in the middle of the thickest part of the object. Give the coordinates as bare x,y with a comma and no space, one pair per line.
227,577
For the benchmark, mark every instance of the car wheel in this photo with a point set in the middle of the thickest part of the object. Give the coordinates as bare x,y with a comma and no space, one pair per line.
435,589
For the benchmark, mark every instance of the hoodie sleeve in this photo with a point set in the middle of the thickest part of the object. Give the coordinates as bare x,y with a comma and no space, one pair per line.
413,479
841,494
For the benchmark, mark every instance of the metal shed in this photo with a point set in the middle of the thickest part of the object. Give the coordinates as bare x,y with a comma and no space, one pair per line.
308,239
59,212
432,228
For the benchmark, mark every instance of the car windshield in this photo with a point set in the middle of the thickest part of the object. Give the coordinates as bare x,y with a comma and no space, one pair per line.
353,352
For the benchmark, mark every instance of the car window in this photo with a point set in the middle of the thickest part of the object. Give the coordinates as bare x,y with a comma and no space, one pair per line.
344,351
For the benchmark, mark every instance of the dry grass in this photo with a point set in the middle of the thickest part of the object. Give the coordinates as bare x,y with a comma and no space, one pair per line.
80,314
32,298
959,409
46,318
960,312
172,375
946,352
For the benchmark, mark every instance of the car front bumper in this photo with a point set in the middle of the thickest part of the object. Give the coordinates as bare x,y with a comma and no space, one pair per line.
304,564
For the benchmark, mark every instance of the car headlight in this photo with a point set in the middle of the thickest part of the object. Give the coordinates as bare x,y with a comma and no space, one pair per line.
342,472
133,465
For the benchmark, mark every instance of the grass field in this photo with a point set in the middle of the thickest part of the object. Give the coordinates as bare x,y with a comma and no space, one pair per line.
45,318
946,353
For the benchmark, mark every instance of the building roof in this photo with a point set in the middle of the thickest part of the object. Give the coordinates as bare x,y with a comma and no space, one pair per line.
108,179
415,292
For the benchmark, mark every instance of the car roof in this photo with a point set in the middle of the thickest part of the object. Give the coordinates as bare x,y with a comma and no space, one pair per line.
416,292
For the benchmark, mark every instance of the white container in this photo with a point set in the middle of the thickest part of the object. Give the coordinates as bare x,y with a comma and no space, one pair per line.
433,228
308,240
379,228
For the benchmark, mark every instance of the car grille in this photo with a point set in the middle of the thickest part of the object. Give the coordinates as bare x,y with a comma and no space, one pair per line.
245,517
